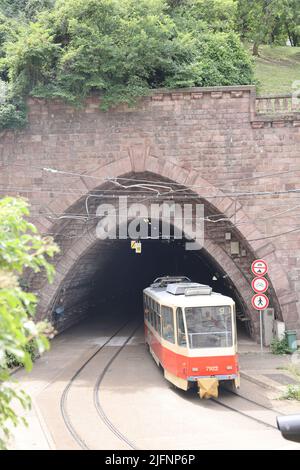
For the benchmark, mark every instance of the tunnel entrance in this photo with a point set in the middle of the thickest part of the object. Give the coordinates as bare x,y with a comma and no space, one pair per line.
120,275
93,271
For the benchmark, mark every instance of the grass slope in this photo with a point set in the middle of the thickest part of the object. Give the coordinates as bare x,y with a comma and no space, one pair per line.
277,69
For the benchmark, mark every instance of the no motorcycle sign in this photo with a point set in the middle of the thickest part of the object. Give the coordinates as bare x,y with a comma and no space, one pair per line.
259,267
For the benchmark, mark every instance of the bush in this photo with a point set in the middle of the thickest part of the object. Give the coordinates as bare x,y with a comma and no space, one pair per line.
292,393
12,117
22,248
279,346
218,60
218,15
13,361
122,49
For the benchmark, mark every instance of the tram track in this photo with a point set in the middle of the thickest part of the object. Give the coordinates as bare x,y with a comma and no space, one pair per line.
98,404
243,413
64,397
99,407
256,403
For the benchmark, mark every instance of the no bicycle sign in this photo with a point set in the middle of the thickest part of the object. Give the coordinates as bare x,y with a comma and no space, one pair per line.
260,285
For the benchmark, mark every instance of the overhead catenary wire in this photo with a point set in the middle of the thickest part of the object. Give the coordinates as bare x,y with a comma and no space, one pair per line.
208,219
85,175
275,235
150,185
169,238
293,230
57,171
138,193
89,216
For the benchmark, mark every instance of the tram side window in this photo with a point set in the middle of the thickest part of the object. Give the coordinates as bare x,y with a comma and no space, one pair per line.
235,328
153,314
167,324
146,307
158,319
152,317
156,322
181,335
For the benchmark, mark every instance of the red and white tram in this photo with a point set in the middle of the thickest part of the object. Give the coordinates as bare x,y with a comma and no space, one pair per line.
191,333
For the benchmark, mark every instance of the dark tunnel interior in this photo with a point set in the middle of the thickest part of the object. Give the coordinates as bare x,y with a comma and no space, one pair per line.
118,284
109,273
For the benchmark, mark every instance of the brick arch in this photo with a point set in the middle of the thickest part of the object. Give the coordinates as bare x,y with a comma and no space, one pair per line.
66,270
138,161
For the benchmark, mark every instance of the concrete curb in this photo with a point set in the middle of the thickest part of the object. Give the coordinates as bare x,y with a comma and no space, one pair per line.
45,430
266,383
14,370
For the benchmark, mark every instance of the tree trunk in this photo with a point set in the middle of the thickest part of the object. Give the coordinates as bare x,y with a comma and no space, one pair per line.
255,49
290,36
295,40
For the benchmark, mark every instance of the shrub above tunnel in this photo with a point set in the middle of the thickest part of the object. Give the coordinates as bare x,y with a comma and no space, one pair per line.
122,49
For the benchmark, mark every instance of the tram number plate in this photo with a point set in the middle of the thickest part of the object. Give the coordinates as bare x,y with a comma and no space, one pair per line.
212,368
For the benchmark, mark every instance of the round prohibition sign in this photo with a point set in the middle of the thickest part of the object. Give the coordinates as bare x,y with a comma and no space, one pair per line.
260,301
260,284
259,267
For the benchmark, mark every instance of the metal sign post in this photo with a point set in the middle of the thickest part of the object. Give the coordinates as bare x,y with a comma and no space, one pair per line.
260,302
260,284
261,331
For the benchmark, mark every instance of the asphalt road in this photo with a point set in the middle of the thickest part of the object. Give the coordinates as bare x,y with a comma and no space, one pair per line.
89,392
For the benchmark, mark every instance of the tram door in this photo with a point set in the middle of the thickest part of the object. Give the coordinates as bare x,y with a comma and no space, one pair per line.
181,339
168,334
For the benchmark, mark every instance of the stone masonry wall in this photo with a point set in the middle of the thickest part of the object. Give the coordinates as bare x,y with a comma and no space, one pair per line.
210,138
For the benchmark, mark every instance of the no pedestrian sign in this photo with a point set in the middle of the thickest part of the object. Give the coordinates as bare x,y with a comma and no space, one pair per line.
259,267
260,301
260,284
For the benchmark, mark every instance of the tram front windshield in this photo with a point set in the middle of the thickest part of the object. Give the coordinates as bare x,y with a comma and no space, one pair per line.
209,327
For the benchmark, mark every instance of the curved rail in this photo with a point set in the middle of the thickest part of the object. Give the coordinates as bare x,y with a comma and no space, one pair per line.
241,412
98,404
100,409
63,401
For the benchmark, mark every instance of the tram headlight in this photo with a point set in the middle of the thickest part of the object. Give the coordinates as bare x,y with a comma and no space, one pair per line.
229,367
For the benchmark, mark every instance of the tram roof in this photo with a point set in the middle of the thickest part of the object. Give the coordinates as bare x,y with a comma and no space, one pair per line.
160,294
